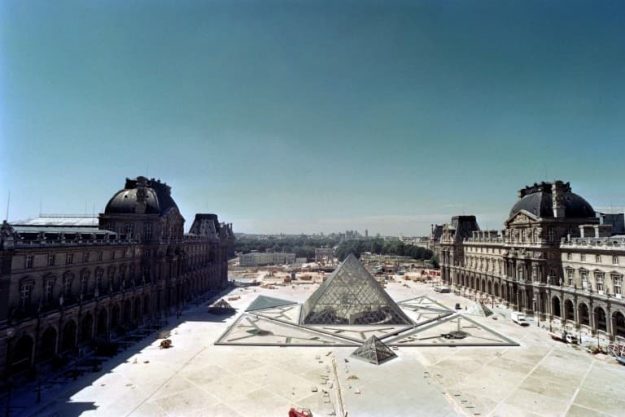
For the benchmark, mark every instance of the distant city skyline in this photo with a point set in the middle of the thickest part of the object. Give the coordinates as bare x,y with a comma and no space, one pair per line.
308,117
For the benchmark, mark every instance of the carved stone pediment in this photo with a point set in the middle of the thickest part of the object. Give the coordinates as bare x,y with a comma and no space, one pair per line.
523,218
520,219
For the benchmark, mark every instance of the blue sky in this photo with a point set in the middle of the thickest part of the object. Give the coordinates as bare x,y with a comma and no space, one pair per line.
310,116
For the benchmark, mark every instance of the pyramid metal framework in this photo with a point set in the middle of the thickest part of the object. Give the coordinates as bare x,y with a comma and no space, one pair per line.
374,351
351,296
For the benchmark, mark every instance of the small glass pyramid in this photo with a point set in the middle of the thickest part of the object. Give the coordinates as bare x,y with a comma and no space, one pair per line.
374,351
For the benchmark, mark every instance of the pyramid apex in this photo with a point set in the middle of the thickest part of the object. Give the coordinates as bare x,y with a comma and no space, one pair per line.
350,256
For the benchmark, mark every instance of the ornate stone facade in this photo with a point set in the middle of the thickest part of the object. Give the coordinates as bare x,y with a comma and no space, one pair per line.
553,259
66,285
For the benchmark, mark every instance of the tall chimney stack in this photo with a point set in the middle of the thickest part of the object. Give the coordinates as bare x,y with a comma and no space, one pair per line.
557,192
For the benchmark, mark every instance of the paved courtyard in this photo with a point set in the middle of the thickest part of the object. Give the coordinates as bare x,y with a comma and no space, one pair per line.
539,377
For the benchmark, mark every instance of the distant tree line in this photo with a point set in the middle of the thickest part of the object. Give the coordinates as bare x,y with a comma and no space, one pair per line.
303,246
382,247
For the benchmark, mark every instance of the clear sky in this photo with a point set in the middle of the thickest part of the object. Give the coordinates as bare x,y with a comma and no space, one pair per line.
310,116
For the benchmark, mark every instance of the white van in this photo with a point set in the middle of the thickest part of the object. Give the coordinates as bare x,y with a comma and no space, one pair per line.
519,318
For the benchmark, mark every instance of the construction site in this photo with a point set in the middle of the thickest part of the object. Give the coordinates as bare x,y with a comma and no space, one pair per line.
345,345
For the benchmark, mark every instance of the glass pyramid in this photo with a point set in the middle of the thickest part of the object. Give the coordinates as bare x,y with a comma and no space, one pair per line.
374,351
221,307
351,296
263,302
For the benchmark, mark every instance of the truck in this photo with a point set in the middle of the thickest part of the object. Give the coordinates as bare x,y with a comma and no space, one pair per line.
519,318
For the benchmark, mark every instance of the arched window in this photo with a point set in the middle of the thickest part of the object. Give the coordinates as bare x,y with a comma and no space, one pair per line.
600,319
555,306
583,314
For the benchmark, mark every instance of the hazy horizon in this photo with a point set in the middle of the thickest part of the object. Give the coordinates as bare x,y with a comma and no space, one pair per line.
308,117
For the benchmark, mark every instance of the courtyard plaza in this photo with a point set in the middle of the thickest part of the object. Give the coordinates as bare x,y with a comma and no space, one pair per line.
539,377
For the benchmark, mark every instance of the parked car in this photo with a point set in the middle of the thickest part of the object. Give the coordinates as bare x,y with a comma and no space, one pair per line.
442,289
519,318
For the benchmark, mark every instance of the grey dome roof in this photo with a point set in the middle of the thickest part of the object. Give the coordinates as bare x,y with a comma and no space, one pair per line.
538,200
157,198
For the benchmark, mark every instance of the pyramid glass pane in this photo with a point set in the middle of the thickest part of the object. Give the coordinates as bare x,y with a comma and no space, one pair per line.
351,296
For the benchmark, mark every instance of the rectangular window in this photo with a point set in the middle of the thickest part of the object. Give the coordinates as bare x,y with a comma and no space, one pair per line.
584,276
617,283
85,257
67,287
569,277
599,280
598,259
84,281
568,256
29,261
26,291
69,258
147,231
100,255
49,290
615,260
582,257
51,259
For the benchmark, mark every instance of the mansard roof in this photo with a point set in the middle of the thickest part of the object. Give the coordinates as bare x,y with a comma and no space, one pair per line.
538,200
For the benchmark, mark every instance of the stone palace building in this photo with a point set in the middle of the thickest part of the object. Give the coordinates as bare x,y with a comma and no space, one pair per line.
556,259
68,283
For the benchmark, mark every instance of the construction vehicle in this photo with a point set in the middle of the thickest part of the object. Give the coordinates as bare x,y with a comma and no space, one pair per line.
300,412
